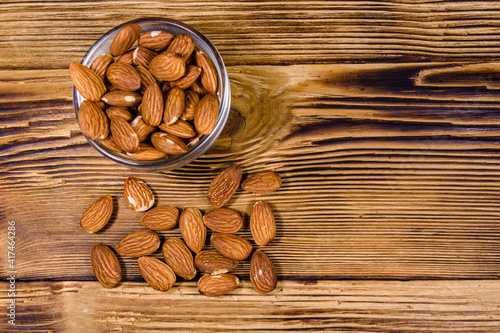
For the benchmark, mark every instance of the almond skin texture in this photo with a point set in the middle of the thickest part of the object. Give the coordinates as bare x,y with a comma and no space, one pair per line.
168,143
206,114
208,77
192,229
152,105
98,214
167,66
192,100
110,143
124,39
123,76
105,265
101,63
157,40
192,74
92,121
122,98
262,182
142,129
119,111
224,220
87,82
137,194
180,128
262,223
147,78
143,56
147,152
224,186
231,246
157,273
174,106
183,45
127,58
212,262
262,273
217,285
178,256
138,243
124,135
161,218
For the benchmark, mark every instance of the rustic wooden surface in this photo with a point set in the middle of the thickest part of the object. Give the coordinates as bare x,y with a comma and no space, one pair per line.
383,119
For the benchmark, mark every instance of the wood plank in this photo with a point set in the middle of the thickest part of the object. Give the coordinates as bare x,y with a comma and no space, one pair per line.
340,306
44,34
385,173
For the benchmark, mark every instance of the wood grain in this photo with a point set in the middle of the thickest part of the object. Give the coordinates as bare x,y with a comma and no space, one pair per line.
385,175
342,306
49,35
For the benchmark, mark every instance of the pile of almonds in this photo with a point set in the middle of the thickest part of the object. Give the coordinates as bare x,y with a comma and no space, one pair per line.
151,100
178,252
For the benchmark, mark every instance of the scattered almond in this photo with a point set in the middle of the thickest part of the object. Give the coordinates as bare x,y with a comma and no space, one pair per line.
192,229
179,258
262,273
231,246
157,273
262,182
262,223
217,285
138,243
212,262
224,220
161,218
224,186
138,195
105,265
98,214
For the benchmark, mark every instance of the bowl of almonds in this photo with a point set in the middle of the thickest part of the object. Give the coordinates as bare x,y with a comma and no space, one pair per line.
151,93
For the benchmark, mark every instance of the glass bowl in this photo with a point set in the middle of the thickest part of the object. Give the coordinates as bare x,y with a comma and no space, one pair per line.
224,92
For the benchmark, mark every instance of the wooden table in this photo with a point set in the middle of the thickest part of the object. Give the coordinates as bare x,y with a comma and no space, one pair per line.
382,117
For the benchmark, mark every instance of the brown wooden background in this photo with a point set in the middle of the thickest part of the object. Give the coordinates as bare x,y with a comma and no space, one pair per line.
382,117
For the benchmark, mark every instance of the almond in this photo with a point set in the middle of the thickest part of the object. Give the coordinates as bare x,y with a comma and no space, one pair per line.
192,74
152,105
160,218
208,76
231,246
138,243
167,67
192,229
147,78
127,58
157,40
212,262
179,258
122,98
198,88
217,285
193,141
105,265
123,76
168,143
225,220
262,223
157,273
142,129
124,39
119,111
262,182
206,114
98,214
174,105
143,56
180,128
138,195
192,100
147,152
124,135
87,82
110,143
224,186
262,273
183,45
92,121
101,63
